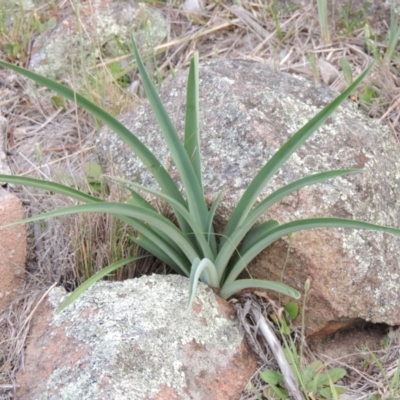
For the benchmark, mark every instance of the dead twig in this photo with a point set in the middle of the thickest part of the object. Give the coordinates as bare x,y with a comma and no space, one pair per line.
276,348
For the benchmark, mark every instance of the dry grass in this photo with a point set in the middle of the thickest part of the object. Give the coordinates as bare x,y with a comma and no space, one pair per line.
56,144
369,372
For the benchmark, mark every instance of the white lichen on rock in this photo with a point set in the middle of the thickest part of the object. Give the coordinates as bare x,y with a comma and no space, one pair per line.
137,331
67,51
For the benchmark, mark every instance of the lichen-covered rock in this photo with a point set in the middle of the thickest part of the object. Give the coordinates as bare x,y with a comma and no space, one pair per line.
134,340
247,112
94,31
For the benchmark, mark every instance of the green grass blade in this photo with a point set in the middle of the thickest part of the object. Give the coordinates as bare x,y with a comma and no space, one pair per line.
229,289
204,269
193,190
393,35
146,156
267,172
93,279
300,225
322,6
192,125
230,246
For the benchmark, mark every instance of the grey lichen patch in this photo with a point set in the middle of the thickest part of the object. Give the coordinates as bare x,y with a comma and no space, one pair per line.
56,58
138,330
68,50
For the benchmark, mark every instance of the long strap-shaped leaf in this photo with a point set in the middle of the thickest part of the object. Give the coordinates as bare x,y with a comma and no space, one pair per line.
197,230
94,278
151,247
206,269
267,172
137,200
295,226
193,189
230,246
192,125
192,134
50,187
133,216
229,289
146,156
159,242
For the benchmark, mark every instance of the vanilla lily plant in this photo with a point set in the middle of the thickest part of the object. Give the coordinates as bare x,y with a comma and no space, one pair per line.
193,248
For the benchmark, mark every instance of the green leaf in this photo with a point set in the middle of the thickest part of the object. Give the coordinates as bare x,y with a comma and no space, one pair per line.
149,160
327,393
205,269
227,250
169,247
279,158
192,125
94,177
310,371
93,172
197,231
284,327
137,200
59,102
229,289
295,226
336,373
281,394
93,279
271,377
211,239
193,189
255,233
192,134
292,309
140,213
346,68
152,248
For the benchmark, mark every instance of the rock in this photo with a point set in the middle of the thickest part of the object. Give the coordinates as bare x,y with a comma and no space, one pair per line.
193,6
105,30
134,340
247,112
12,248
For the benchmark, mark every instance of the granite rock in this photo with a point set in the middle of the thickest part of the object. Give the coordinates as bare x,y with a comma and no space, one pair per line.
134,340
247,112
